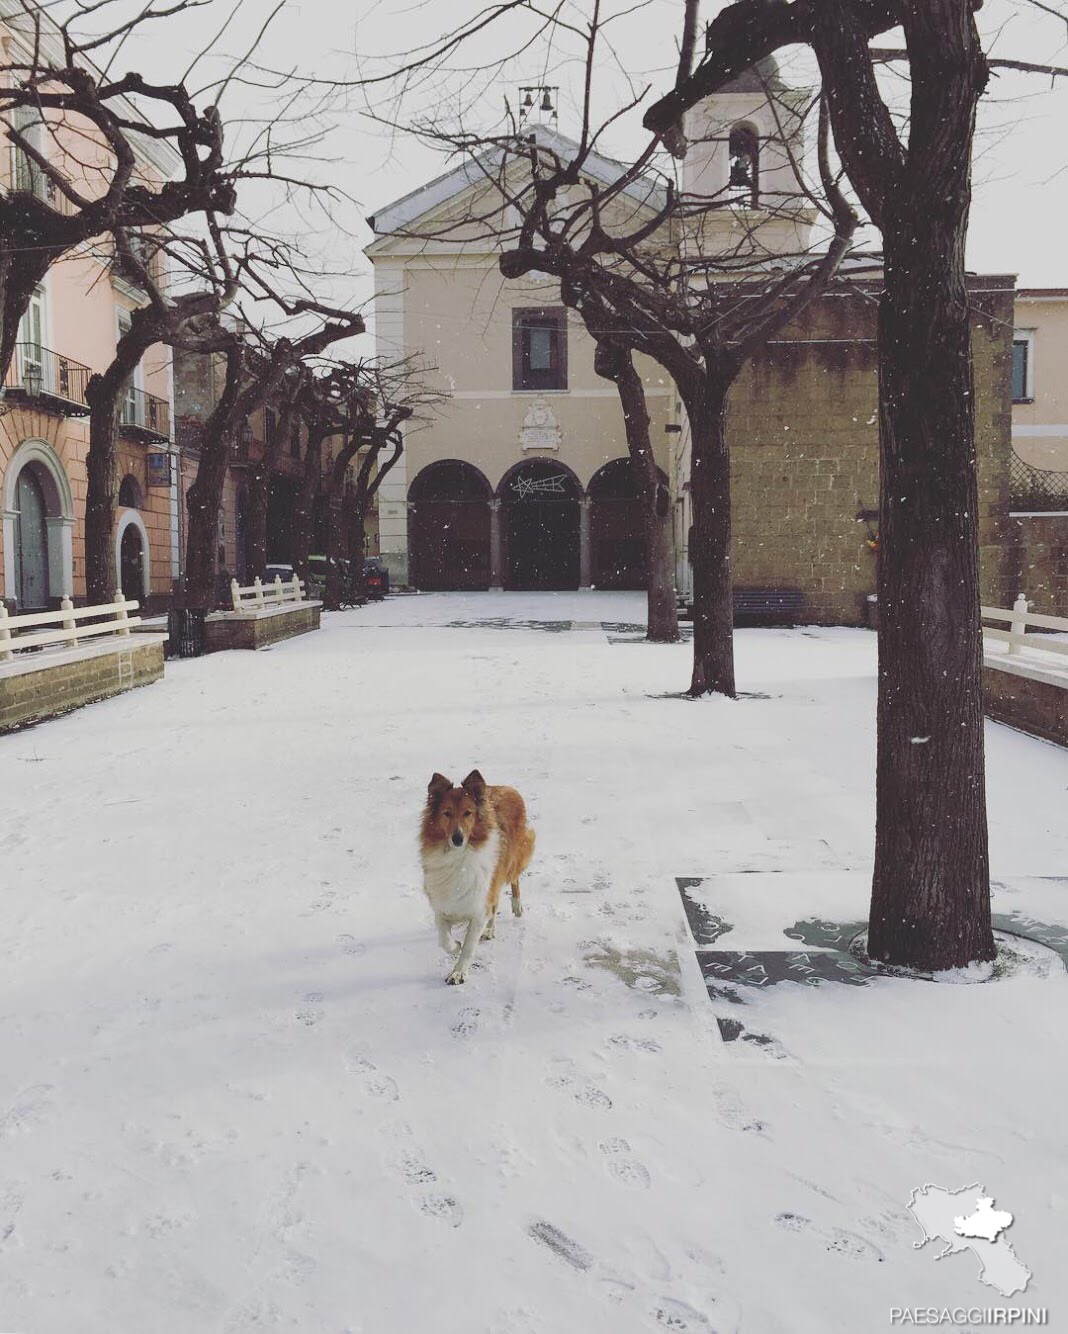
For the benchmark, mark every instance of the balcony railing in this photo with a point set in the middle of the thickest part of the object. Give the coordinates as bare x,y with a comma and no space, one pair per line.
29,179
145,415
40,376
1037,489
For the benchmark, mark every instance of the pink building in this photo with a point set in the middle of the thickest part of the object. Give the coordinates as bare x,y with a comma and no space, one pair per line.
68,333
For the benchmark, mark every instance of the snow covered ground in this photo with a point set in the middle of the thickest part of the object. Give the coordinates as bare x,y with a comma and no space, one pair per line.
238,1096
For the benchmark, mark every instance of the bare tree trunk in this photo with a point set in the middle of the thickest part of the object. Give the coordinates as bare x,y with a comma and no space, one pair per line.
930,894
335,547
304,514
258,482
662,607
101,577
204,503
710,545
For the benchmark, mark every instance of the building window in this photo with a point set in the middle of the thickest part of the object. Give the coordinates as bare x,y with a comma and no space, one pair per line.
1023,373
269,424
539,349
744,148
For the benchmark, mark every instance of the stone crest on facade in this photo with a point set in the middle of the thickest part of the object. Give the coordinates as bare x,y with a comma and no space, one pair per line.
540,427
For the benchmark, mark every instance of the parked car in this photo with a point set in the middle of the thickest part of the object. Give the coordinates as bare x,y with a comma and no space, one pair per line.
375,578
279,571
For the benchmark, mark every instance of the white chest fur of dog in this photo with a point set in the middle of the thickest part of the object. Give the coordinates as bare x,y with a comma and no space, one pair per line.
457,881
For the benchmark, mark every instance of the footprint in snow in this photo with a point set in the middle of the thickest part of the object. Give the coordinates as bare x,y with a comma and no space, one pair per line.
375,1083
351,946
465,1023
621,1167
311,1011
563,1246
408,1162
672,1314
563,1077
835,1240
627,1042
29,1107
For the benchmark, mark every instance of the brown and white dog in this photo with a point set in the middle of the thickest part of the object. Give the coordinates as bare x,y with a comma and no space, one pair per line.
474,840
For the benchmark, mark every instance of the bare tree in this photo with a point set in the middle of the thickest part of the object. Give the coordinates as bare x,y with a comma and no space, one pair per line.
930,895
189,320
700,315
64,199
614,361
256,365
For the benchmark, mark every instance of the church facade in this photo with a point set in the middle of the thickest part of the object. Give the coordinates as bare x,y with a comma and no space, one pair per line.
522,480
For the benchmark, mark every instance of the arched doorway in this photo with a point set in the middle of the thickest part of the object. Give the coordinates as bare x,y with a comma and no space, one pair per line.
38,523
31,542
540,501
132,563
449,527
618,546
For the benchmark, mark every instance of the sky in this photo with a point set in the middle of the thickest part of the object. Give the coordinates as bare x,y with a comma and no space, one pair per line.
1021,159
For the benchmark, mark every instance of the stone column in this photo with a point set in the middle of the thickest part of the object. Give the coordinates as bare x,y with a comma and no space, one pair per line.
584,542
496,580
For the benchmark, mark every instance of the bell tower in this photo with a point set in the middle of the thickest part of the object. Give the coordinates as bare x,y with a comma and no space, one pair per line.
746,147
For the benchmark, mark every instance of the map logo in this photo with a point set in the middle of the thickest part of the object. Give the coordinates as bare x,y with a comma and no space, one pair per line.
966,1220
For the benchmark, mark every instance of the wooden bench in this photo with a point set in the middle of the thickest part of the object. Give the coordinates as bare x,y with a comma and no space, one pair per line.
1025,684
261,615
768,606
54,661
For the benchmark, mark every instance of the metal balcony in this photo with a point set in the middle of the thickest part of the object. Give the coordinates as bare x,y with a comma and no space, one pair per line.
145,417
46,380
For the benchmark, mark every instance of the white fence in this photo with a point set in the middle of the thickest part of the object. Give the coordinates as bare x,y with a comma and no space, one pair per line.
259,596
1017,637
61,629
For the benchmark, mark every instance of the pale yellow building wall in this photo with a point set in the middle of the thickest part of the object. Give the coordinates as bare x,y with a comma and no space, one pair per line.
1040,427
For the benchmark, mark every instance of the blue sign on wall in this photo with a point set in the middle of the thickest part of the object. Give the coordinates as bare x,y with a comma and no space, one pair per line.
159,469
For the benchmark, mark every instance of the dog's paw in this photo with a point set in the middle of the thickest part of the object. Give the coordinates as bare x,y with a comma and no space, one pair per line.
455,978
489,931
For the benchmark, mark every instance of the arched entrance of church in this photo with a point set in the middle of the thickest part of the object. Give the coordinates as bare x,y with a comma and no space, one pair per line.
618,544
540,505
449,527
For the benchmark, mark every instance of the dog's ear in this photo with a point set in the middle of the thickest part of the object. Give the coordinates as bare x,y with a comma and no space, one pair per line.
474,785
437,785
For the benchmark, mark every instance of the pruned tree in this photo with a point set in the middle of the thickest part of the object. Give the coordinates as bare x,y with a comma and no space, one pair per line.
256,365
286,434
336,401
614,360
700,312
53,97
186,319
930,895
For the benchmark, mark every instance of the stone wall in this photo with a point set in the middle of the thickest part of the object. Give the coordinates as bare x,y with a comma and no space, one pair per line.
253,630
803,431
1039,707
1037,549
79,677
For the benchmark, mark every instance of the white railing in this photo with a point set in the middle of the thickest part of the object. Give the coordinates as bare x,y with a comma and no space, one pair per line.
1016,637
259,596
60,629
